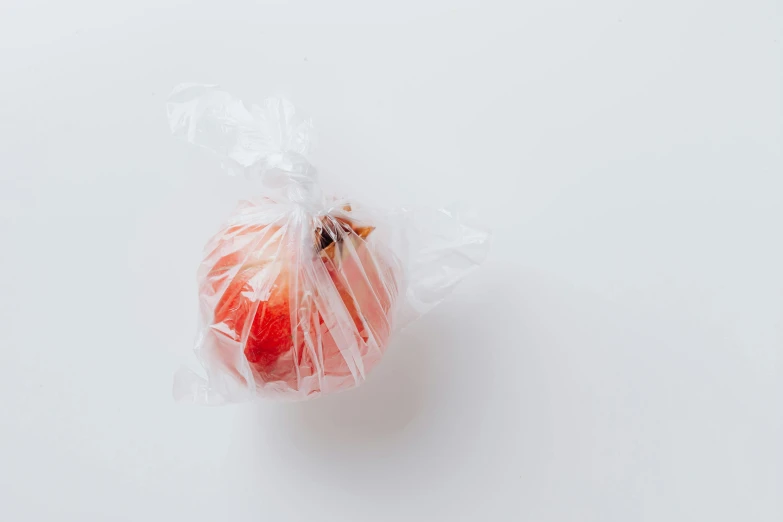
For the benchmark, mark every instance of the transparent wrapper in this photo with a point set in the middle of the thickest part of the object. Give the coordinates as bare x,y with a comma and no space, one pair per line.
300,293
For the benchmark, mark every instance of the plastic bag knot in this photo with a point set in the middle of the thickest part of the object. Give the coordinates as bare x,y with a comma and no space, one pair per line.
270,141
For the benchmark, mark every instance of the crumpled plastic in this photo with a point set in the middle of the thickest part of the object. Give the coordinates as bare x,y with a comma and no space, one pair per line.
299,292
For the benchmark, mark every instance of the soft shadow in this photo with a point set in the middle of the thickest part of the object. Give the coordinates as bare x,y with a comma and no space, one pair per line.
384,405
375,416
413,402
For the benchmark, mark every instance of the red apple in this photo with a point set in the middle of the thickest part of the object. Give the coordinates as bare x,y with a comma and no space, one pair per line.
338,289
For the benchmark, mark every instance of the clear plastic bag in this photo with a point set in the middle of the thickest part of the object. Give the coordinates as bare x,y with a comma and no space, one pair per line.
299,293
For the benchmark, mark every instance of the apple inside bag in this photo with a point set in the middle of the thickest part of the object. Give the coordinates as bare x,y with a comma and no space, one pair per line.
294,317
299,294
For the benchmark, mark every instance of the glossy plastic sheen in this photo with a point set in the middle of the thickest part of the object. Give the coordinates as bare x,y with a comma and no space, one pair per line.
300,293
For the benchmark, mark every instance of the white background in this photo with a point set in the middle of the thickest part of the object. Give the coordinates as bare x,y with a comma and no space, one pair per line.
618,358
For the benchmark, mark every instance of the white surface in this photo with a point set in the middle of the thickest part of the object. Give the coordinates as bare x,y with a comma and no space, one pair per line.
618,359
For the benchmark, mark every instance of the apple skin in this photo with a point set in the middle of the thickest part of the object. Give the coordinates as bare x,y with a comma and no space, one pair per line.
258,277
